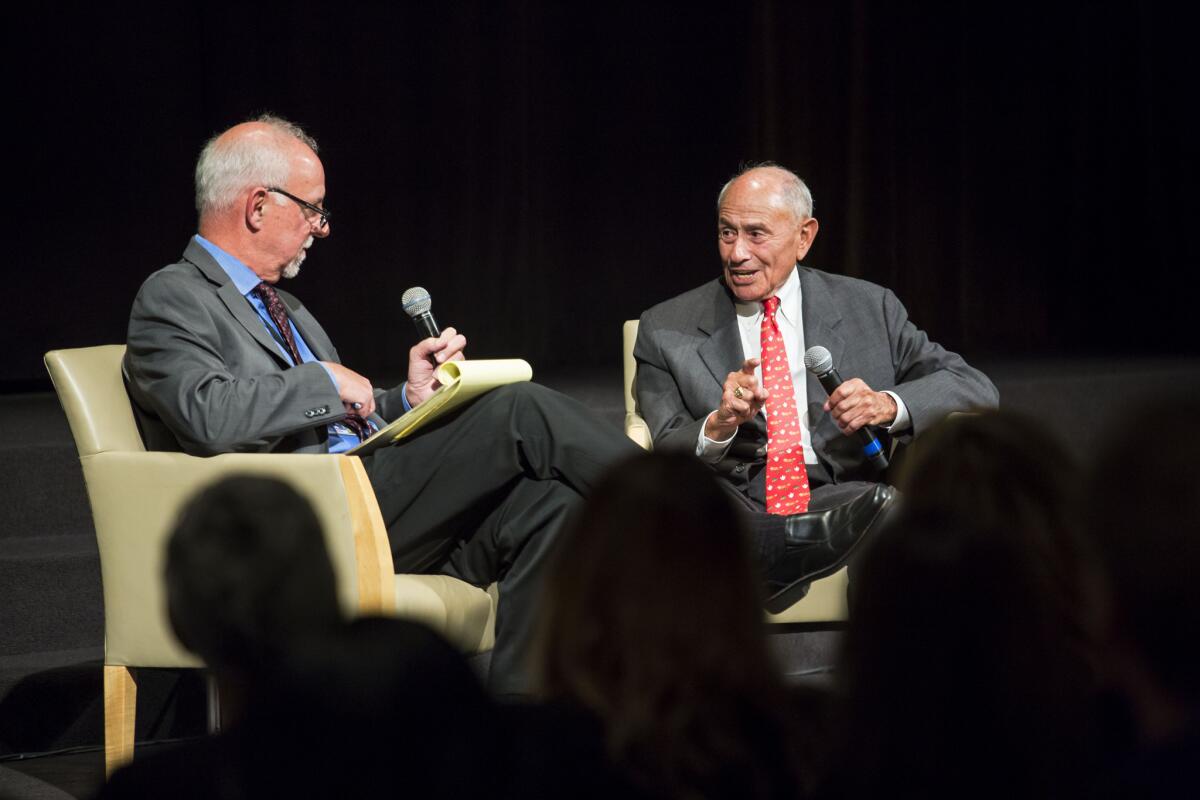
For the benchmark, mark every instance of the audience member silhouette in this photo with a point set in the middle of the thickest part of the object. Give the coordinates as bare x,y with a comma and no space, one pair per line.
954,677
965,668
653,649
1143,517
1005,471
313,706
247,574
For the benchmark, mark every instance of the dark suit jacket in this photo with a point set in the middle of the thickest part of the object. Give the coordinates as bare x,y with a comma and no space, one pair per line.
206,377
688,345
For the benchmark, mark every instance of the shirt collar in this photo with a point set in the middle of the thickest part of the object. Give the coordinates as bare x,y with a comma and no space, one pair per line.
789,302
242,276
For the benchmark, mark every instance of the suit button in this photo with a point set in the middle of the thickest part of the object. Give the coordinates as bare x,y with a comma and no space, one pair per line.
740,468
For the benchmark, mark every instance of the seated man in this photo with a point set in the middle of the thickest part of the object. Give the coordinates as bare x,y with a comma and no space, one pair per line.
220,361
721,373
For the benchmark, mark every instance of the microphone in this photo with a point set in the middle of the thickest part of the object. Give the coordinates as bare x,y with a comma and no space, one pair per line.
416,303
819,362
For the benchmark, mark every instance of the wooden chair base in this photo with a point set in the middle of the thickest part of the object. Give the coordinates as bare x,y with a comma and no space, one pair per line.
120,705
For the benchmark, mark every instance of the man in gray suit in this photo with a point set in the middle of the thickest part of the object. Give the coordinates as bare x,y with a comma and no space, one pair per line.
220,361
699,383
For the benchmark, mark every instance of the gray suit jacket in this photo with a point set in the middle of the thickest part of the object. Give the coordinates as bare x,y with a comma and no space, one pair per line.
206,377
689,344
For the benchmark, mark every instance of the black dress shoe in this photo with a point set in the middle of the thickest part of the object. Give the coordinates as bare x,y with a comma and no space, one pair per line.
819,542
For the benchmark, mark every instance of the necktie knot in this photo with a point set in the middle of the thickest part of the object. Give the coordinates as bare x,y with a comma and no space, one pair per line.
265,290
770,306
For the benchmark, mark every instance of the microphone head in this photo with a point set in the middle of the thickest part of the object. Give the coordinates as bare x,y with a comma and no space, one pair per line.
416,301
818,360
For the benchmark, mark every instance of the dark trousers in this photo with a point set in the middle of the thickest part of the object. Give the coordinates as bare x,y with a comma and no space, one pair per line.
482,496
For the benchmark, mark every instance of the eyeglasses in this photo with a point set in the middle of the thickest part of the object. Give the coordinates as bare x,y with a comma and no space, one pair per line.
324,215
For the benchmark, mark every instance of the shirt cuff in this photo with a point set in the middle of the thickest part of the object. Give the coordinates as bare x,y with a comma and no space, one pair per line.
404,397
711,451
903,421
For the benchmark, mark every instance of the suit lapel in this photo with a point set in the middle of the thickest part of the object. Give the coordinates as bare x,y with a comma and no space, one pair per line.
721,352
248,319
821,327
239,308
310,330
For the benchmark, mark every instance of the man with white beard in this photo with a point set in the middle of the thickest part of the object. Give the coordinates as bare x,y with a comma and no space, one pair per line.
219,360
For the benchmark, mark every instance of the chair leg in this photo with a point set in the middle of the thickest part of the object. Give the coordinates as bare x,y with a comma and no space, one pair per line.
212,695
120,712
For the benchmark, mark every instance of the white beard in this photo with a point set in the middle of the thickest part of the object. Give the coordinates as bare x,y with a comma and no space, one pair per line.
293,267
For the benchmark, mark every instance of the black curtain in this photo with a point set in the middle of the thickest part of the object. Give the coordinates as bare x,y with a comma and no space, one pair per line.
1022,176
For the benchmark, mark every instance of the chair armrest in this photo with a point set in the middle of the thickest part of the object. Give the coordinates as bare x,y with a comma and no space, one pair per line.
637,430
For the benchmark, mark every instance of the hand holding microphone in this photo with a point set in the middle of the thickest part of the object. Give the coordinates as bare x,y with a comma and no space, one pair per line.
852,403
436,347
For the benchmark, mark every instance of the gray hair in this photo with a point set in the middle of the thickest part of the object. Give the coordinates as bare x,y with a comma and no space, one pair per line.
795,192
225,169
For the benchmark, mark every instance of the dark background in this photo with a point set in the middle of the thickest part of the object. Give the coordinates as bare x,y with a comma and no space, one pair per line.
1024,176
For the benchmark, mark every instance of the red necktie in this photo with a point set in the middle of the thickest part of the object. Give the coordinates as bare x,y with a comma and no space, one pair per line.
787,478
279,315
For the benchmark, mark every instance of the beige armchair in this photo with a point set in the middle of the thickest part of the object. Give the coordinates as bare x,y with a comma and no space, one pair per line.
135,496
826,598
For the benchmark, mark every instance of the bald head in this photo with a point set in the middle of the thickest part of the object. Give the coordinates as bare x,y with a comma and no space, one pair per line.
782,183
261,152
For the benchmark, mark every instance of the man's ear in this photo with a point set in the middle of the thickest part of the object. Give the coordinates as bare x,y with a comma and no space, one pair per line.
805,236
255,210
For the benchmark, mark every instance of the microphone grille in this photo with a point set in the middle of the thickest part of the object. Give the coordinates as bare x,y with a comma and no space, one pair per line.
416,301
818,360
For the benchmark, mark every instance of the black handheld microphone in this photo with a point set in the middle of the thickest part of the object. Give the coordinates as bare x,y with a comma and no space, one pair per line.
416,303
819,362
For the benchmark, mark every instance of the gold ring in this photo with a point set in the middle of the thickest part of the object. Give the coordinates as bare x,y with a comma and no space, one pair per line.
738,393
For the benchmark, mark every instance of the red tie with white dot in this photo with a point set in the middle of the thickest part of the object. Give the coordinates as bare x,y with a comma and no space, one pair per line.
787,478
